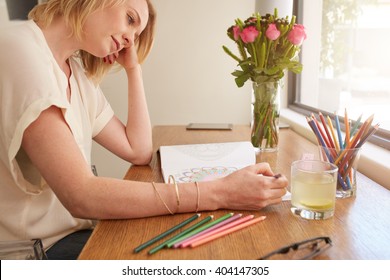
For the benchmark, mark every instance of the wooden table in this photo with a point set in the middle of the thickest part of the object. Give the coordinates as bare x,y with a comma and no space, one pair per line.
360,228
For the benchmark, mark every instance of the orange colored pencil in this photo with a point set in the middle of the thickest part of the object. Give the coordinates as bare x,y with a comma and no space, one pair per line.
336,143
227,231
362,140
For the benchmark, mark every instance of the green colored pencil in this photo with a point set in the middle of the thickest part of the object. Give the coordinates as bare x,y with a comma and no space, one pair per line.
357,123
164,244
170,244
162,235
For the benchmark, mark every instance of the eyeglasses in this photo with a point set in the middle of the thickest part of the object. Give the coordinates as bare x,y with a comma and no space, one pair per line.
304,250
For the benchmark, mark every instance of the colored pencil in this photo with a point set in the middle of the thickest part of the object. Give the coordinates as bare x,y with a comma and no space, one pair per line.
338,131
320,130
326,150
170,244
188,241
342,154
326,130
336,144
365,137
164,244
356,125
227,231
223,228
348,157
320,139
166,233
347,135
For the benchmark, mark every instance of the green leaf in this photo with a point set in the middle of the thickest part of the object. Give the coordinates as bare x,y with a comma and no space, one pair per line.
230,54
238,73
272,70
240,81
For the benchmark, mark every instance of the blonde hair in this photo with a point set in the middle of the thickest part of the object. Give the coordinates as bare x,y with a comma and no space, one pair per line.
75,13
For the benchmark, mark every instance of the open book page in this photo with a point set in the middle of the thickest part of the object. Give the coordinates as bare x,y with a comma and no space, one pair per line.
205,162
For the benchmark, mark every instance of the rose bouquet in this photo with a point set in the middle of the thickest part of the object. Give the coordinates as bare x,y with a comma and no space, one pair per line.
267,46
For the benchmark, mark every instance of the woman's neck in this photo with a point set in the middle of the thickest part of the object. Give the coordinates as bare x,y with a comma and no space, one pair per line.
60,42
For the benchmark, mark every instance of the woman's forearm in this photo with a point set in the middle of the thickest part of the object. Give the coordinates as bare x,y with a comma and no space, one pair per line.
138,126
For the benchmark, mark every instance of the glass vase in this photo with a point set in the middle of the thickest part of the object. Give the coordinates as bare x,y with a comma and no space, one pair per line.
265,116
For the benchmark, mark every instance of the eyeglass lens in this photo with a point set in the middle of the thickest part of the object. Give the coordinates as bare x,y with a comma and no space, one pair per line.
304,250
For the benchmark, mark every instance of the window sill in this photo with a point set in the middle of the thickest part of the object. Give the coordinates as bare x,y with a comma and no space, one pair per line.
374,161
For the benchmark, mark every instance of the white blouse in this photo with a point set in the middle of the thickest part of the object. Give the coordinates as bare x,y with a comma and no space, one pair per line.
30,82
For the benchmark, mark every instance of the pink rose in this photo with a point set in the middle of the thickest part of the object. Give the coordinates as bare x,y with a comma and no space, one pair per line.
252,20
272,32
249,34
297,34
236,32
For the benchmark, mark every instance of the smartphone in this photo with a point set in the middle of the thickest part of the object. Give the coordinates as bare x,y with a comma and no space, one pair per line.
209,126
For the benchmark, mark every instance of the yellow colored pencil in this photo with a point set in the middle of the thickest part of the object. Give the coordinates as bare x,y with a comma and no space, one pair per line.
336,143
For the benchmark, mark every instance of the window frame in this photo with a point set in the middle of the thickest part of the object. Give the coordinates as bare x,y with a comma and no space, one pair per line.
381,138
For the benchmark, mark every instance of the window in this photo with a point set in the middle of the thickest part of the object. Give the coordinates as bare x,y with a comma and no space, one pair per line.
346,62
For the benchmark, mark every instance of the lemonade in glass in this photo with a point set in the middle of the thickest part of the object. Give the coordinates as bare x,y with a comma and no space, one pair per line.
313,189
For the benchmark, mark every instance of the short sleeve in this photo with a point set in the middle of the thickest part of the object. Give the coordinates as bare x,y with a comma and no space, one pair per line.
30,82
104,113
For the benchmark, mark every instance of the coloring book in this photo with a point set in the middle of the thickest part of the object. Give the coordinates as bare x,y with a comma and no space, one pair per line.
205,162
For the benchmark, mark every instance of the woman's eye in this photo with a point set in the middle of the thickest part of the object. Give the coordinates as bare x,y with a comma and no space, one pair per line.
130,19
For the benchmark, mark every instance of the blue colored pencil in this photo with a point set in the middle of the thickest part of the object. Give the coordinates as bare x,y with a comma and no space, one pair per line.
330,158
339,131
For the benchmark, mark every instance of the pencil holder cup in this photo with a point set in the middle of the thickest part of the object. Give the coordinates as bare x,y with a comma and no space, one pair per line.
347,161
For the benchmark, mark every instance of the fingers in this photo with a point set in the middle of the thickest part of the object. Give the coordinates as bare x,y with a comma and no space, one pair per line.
274,201
279,182
269,179
111,58
276,193
262,168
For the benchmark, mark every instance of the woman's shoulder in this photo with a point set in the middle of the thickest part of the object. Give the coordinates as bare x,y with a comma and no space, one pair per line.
18,33
24,40
25,55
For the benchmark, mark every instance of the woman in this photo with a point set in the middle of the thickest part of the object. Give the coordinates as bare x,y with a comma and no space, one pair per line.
52,108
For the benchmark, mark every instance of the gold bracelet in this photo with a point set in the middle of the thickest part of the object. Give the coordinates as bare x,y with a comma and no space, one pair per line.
176,189
197,197
166,206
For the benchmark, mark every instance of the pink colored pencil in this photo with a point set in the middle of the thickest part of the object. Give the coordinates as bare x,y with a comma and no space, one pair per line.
223,228
330,139
227,231
189,240
320,129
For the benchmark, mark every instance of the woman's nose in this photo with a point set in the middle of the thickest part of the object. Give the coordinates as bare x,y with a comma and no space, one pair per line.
128,39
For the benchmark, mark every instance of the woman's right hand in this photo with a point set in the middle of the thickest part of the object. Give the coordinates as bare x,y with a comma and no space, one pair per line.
252,188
